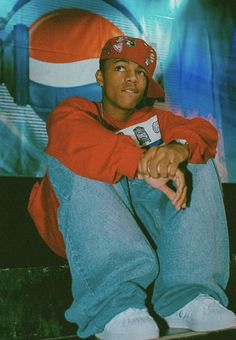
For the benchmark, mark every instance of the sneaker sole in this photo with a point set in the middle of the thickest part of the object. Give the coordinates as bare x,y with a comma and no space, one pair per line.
194,327
122,337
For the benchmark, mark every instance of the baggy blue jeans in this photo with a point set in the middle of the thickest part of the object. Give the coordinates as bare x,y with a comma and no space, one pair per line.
121,238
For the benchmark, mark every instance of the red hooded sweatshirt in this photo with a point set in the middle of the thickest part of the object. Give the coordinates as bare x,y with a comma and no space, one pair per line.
79,140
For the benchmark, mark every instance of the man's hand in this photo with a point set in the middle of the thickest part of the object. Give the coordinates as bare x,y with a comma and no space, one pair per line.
179,197
160,165
163,161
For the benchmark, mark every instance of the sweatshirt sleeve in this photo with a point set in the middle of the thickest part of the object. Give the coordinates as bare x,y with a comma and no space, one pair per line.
200,134
87,148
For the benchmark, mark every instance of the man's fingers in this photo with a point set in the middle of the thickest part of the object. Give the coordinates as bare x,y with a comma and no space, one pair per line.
144,163
172,168
162,168
139,176
154,168
181,202
181,190
170,193
179,180
177,196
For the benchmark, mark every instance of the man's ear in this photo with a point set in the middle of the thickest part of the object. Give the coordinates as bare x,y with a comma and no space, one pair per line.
99,77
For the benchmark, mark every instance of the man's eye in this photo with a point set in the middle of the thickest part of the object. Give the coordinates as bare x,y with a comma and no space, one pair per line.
142,73
120,68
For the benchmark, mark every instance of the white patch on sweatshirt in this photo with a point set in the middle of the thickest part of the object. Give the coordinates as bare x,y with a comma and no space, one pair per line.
145,134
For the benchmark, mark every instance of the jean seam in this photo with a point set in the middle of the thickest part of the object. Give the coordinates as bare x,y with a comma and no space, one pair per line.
79,267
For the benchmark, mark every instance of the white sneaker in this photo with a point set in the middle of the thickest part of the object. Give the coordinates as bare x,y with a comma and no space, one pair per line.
132,324
202,314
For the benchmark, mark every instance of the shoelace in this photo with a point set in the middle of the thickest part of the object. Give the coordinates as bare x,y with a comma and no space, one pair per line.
204,301
129,315
209,302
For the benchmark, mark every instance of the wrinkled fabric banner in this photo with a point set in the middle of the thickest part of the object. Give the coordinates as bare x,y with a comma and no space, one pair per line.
49,50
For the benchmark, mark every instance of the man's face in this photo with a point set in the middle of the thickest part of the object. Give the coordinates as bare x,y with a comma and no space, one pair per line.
124,83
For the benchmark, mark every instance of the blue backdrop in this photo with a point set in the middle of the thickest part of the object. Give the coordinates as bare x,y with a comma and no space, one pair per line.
44,59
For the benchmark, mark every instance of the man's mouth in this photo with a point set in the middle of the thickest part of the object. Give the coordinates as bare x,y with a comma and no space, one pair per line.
130,90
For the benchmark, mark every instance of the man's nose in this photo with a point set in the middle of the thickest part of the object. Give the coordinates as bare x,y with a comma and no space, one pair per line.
131,76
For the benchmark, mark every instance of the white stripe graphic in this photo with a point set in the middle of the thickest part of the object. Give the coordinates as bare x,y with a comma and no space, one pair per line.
77,73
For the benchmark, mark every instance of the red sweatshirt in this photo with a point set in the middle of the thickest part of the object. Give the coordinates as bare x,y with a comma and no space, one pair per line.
79,141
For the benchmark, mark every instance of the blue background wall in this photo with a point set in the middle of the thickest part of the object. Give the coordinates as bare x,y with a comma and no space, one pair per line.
196,44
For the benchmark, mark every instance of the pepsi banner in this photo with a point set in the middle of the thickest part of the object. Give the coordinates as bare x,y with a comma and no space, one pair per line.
49,50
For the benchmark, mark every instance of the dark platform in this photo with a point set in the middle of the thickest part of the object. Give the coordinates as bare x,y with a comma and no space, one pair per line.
35,283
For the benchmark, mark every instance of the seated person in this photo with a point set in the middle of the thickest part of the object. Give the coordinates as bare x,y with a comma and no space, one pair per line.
131,198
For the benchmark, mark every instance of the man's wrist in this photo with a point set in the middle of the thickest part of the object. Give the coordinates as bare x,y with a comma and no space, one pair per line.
180,141
184,144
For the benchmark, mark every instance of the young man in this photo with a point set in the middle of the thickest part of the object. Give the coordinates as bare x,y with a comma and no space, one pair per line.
116,189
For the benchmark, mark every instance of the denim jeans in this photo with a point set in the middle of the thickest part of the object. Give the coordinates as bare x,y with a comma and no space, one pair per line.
121,238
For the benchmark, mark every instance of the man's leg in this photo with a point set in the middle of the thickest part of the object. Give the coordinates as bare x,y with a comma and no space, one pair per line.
192,244
111,261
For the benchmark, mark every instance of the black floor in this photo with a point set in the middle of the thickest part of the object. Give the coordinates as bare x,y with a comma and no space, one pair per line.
35,283
33,301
